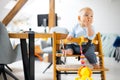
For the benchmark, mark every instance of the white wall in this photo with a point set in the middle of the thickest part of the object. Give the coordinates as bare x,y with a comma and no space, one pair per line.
106,13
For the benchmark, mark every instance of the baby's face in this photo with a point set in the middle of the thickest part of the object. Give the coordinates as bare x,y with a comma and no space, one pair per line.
86,17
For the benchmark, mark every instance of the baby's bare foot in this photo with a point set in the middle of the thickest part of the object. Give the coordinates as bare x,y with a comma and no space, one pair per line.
96,66
67,52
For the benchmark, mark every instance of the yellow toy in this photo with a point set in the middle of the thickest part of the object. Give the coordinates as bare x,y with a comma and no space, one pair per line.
84,73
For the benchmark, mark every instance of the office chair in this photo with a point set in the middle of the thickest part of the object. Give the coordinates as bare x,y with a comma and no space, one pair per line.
7,53
46,46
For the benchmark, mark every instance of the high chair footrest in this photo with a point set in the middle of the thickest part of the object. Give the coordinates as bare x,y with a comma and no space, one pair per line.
76,67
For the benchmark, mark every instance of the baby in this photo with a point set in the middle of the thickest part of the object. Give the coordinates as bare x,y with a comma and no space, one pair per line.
83,28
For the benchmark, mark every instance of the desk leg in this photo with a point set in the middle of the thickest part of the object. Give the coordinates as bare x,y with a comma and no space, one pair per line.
25,58
31,55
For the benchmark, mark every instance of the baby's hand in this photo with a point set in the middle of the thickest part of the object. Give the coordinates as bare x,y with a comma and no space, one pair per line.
69,37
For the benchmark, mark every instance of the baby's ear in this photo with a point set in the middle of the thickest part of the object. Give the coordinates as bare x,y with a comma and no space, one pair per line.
79,18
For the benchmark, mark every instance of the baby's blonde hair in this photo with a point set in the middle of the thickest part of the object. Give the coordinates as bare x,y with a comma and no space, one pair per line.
85,8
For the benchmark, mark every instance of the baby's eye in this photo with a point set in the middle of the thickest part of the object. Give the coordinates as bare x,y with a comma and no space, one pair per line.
86,15
91,16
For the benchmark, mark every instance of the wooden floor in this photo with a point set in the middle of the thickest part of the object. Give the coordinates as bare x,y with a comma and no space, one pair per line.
112,74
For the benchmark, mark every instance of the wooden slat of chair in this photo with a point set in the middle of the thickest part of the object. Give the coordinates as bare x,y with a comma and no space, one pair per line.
60,54
96,41
74,67
76,40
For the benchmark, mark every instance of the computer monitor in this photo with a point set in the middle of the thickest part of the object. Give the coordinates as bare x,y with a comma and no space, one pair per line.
41,18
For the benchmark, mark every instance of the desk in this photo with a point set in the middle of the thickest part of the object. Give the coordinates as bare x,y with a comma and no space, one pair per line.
28,59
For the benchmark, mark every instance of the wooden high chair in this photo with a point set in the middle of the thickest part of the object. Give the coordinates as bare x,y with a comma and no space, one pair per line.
72,69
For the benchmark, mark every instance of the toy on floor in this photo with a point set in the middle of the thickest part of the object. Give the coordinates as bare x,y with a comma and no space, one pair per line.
84,72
